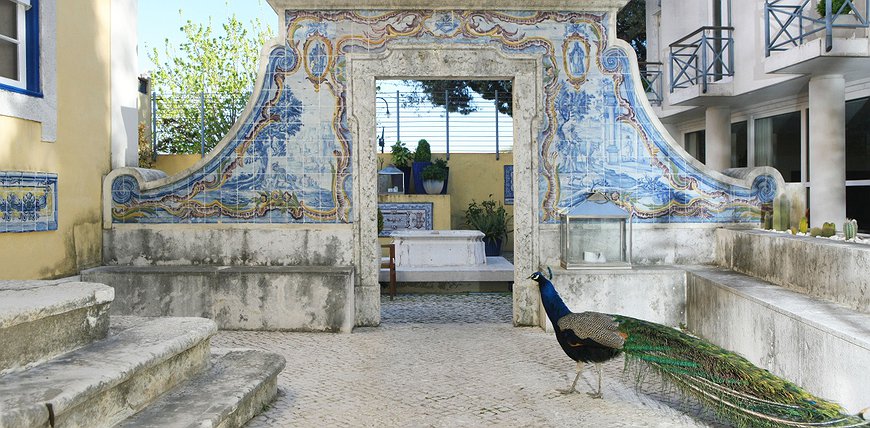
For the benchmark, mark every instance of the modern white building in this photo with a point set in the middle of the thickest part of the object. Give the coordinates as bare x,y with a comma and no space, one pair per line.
770,82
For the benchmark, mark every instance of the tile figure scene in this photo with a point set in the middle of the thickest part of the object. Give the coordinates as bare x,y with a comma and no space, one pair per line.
289,160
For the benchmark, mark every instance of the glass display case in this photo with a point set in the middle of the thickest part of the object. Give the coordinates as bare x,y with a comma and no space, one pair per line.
391,180
595,234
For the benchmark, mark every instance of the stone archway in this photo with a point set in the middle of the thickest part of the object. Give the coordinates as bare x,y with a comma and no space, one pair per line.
434,61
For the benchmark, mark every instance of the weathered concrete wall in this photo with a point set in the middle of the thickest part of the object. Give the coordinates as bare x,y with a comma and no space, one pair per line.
818,345
269,245
240,297
831,270
656,294
652,244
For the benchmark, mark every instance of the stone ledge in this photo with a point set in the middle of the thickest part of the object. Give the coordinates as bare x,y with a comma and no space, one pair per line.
27,301
831,270
236,387
817,344
289,298
105,382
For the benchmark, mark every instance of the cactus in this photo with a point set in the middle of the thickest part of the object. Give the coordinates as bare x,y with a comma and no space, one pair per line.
781,210
829,230
766,220
793,230
815,231
804,225
850,228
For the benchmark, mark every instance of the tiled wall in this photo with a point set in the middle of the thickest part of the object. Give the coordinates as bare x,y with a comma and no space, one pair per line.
28,201
290,162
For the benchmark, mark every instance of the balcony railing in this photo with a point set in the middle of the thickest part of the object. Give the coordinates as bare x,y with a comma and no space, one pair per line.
651,77
789,23
705,56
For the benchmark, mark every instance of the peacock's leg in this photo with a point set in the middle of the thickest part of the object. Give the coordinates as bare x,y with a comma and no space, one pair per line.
597,394
570,390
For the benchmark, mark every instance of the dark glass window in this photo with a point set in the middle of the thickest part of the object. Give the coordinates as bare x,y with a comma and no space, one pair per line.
694,144
778,144
858,139
858,206
739,139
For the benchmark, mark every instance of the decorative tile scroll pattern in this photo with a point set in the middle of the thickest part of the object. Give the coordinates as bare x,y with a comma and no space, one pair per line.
28,201
406,216
508,184
290,162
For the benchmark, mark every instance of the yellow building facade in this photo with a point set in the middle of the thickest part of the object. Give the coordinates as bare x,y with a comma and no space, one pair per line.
63,130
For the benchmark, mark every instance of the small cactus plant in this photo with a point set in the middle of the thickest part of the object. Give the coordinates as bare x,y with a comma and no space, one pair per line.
829,230
793,230
781,210
804,225
816,231
850,228
766,220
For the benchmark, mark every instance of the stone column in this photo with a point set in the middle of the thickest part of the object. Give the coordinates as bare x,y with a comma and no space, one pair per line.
827,151
718,138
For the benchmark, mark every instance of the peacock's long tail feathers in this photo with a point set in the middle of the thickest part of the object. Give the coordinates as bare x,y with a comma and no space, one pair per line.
728,383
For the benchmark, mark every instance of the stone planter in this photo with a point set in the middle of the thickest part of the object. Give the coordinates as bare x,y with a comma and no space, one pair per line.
433,187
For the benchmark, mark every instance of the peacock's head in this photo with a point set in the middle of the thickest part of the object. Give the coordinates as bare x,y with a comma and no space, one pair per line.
537,277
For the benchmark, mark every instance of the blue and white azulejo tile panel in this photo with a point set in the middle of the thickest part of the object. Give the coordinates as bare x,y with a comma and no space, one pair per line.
290,162
406,216
508,184
28,201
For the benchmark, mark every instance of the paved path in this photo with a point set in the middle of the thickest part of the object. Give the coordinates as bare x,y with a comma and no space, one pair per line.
445,361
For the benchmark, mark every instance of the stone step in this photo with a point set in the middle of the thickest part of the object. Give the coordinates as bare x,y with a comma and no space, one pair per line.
235,388
40,320
819,345
105,382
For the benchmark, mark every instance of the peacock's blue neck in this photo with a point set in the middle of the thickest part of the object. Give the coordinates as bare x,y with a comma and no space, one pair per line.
553,304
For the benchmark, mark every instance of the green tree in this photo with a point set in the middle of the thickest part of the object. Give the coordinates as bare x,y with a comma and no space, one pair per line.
208,73
631,26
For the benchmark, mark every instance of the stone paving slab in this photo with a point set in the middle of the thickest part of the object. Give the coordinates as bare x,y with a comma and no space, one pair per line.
446,361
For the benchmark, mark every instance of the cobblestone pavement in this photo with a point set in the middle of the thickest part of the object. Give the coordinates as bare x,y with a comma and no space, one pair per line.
446,361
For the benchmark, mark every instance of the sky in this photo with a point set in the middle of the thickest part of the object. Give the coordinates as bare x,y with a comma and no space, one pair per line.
162,19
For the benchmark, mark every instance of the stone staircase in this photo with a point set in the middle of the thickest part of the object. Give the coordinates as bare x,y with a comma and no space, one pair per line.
63,365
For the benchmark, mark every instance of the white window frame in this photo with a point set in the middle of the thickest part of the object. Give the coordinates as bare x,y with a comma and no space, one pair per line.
21,7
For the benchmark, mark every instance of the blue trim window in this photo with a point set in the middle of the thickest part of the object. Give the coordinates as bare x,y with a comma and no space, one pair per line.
19,46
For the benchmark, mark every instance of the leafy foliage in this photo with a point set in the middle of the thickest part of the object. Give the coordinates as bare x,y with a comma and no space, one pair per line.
489,217
436,171
423,153
205,81
835,7
457,95
631,26
146,154
401,155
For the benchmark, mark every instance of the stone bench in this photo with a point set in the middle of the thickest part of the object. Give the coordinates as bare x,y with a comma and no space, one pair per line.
289,298
817,344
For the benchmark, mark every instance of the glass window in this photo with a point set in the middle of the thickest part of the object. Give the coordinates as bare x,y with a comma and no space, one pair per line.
19,56
739,139
858,139
778,144
858,206
695,144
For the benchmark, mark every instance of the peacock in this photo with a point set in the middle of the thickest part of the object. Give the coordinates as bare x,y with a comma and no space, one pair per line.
723,381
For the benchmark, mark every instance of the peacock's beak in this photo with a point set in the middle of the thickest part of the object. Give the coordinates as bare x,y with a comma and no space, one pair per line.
530,276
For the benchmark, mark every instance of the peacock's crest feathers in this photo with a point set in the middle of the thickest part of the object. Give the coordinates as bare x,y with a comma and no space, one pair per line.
727,382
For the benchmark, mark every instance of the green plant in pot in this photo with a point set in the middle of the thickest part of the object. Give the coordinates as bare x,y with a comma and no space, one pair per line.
422,159
491,218
835,6
434,177
402,159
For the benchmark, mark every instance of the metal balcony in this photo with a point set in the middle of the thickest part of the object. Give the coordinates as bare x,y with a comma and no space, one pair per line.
702,57
789,23
651,77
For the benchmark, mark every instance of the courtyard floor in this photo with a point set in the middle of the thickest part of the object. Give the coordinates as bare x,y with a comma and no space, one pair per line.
448,360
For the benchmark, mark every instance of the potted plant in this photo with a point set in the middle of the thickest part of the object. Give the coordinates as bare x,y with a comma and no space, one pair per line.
491,218
422,159
402,160
434,177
